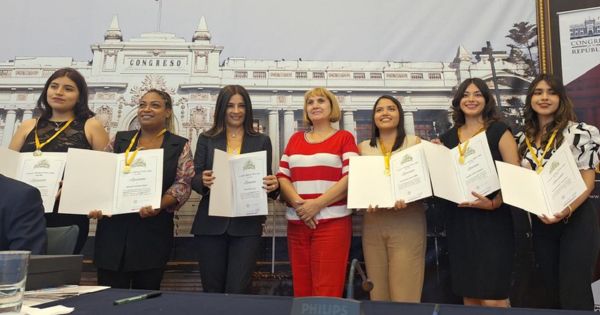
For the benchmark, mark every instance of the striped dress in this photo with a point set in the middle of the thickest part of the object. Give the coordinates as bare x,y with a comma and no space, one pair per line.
314,167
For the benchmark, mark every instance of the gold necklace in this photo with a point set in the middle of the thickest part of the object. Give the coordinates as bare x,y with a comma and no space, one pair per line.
462,150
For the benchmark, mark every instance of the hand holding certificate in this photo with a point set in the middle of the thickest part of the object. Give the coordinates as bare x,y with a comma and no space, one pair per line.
98,180
456,181
238,185
43,171
547,193
370,185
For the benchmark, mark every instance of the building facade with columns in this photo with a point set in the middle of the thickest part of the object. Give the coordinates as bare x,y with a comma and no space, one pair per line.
191,71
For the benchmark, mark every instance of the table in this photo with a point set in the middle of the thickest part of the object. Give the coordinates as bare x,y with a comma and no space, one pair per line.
231,304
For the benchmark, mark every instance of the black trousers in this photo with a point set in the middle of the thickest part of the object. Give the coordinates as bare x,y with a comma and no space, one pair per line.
144,279
227,262
566,256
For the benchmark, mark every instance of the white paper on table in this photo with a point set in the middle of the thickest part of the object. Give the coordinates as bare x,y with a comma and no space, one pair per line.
94,180
237,189
43,172
455,182
369,185
549,192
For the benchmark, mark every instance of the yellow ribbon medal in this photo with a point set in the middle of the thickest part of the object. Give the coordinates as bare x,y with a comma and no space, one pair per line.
39,146
462,150
386,158
129,159
538,161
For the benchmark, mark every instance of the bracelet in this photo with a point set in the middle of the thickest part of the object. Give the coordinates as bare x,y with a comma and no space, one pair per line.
570,211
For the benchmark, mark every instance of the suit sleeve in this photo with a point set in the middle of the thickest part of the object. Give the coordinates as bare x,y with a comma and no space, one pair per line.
269,148
200,165
26,224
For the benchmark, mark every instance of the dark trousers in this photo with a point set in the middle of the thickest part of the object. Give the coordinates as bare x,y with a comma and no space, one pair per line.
566,257
227,262
63,219
144,279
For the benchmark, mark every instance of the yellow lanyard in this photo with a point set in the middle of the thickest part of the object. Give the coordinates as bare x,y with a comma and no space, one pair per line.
463,149
39,146
540,160
129,159
386,157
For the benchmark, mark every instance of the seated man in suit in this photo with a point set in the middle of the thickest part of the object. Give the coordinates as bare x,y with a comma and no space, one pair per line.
22,223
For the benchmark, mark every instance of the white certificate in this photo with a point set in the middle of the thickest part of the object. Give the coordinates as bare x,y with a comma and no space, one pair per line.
368,183
43,172
549,192
456,182
237,190
96,180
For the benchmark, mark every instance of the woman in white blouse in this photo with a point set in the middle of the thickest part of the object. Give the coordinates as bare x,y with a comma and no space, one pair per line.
566,244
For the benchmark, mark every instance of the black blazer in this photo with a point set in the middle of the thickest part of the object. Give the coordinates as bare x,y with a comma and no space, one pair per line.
22,223
203,160
126,242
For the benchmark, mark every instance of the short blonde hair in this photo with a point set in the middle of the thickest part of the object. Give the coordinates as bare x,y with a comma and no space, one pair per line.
335,105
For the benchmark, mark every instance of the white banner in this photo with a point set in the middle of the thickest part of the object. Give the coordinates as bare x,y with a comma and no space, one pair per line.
579,42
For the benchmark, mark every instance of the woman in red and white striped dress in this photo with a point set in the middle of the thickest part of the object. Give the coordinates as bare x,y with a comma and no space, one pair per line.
313,180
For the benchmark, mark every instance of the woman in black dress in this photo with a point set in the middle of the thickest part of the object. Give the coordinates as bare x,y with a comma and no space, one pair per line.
480,233
64,115
565,245
131,250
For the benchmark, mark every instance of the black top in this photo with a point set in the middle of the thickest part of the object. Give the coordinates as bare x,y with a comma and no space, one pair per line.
203,160
126,242
480,242
72,137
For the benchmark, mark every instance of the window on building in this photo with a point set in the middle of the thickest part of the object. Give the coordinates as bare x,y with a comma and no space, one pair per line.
301,75
359,76
375,76
259,74
318,75
434,76
240,74
416,76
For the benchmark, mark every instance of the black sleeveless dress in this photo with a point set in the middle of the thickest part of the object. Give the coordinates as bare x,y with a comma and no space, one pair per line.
480,242
72,137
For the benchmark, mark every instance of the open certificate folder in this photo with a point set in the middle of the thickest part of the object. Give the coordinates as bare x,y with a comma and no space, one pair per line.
549,192
369,184
43,172
238,187
454,181
96,180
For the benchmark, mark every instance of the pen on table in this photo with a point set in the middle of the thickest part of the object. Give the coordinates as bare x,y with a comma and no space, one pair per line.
137,298
436,310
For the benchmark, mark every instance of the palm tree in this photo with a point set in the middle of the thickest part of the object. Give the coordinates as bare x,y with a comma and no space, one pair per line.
524,35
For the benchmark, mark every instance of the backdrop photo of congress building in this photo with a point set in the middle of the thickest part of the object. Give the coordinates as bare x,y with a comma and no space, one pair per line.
191,70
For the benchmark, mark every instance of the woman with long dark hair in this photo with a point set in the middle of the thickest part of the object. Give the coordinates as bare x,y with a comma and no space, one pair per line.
228,247
65,121
393,239
480,233
566,245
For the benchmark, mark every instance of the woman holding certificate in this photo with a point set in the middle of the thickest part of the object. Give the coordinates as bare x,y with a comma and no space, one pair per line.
65,122
228,247
131,250
566,244
480,233
313,177
394,239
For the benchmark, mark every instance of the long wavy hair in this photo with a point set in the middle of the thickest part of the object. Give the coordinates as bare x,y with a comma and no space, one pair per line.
400,131
562,115
81,110
219,125
490,111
